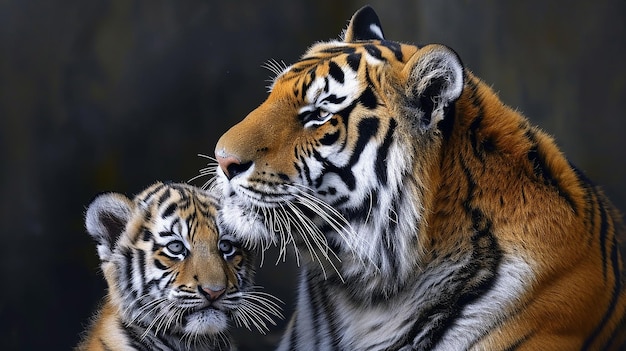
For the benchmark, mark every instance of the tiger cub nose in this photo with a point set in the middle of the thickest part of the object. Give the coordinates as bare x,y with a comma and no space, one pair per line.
231,165
212,293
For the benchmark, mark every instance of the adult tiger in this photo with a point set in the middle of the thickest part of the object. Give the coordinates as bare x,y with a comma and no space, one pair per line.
451,222
174,282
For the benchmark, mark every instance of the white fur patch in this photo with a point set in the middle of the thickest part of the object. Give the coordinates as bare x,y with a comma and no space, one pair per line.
376,30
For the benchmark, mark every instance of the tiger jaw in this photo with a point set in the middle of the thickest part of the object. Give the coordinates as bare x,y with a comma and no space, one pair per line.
208,320
290,216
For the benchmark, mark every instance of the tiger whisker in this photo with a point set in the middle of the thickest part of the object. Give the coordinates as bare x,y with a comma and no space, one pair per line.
248,317
144,310
160,318
256,308
208,157
282,226
333,217
370,208
307,227
276,68
304,235
269,301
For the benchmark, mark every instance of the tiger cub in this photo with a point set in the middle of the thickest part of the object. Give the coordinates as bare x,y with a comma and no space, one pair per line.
174,281
431,215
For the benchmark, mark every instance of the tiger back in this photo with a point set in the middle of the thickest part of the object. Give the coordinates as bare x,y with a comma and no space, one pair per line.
175,280
434,216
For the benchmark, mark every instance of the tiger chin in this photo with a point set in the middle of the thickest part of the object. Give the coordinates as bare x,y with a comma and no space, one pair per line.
432,216
175,280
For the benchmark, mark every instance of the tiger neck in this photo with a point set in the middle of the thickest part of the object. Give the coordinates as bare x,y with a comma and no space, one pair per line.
386,250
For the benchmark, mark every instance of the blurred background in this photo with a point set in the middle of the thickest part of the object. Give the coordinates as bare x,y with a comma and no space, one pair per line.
112,95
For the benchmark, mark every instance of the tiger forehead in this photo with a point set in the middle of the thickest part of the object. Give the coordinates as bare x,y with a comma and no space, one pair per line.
350,54
342,62
182,210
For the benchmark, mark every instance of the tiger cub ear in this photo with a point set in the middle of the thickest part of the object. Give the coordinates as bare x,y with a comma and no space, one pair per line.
434,81
364,25
106,220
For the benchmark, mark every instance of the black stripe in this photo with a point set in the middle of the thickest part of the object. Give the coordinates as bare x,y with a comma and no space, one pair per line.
518,343
306,174
539,165
359,213
165,196
339,50
159,265
368,99
127,279
335,72
473,132
141,258
617,332
328,315
586,183
393,47
543,171
147,235
603,237
169,210
330,138
617,290
334,99
305,84
354,61
478,118
374,51
383,151
367,129
152,192
344,173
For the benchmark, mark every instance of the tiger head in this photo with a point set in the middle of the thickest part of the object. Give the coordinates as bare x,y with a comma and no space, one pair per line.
169,268
336,139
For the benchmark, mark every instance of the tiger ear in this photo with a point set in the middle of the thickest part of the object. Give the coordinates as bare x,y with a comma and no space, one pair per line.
106,220
434,82
364,25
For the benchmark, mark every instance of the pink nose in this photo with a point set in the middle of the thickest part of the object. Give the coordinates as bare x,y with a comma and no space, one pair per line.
231,165
225,163
213,293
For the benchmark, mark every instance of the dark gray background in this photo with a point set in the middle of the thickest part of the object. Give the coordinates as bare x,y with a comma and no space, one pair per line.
107,95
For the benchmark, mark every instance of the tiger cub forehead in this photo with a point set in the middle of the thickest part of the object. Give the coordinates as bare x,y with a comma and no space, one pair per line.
162,209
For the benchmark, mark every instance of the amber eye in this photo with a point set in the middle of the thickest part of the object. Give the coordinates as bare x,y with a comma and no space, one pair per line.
176,247
315,117
322,114
226,248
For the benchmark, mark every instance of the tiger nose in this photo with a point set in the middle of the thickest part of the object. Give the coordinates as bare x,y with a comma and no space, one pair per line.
231,165
212,293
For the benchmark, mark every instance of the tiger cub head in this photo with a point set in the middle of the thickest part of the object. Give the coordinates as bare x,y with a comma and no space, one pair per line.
170,270
337,135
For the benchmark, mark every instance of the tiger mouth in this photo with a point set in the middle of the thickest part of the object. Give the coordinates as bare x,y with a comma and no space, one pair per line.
252,197
210,309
